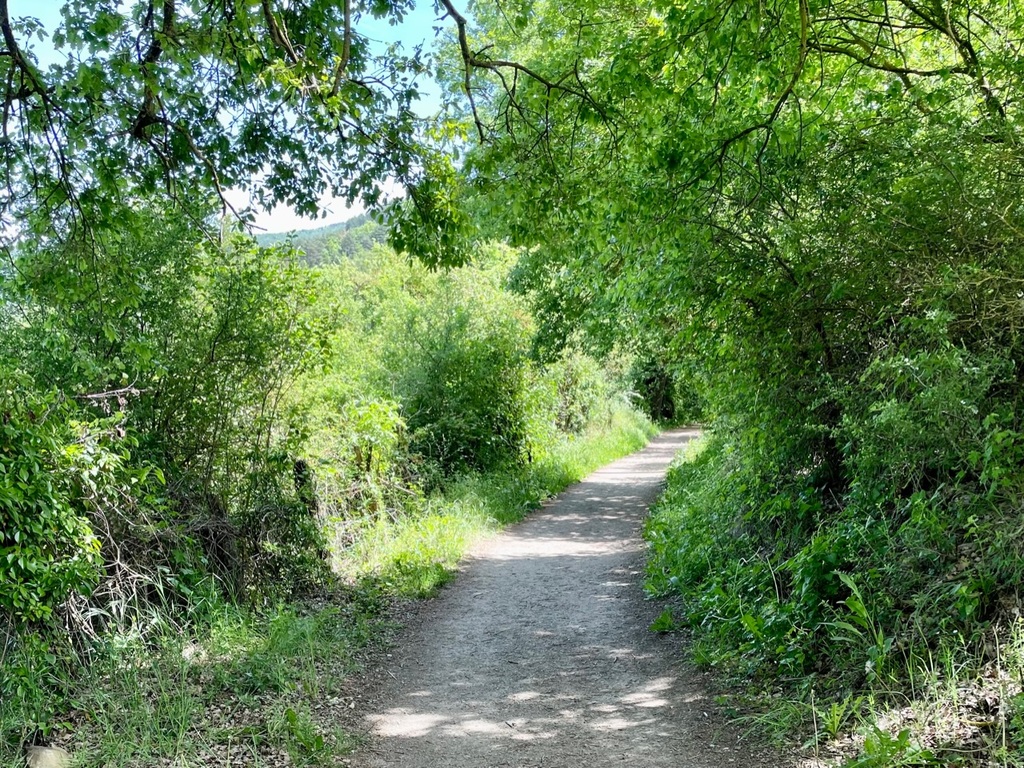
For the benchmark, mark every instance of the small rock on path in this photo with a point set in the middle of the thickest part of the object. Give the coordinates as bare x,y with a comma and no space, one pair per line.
540,655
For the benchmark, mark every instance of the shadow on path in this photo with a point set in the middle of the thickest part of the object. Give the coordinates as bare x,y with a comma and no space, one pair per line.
540,655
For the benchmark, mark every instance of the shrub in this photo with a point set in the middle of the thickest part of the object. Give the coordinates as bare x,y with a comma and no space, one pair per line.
281,531
581,389
49,468
459,359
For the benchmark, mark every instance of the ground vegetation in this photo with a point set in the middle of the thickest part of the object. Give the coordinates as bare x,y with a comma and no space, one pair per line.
221,466
798,222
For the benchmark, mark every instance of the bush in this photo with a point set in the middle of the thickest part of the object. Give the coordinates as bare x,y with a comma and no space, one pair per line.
581,389
281,531
71,496
49,469
655,388
459,358
463,393
916,416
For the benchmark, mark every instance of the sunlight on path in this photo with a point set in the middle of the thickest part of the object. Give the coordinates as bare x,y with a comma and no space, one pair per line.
540,653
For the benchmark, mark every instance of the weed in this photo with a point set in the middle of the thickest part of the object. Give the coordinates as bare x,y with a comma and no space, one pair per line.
307,744
175,696
859,628
832,720
780,720
881,603
882,750
664,623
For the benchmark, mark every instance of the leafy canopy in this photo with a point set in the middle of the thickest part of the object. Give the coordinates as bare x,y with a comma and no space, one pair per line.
185,100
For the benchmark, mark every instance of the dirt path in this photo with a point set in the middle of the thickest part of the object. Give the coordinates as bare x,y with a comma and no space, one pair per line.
539,655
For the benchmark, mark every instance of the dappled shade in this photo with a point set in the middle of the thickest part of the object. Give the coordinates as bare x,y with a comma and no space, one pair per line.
540,654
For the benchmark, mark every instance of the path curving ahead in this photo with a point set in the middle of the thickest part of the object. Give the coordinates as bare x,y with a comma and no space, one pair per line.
539,655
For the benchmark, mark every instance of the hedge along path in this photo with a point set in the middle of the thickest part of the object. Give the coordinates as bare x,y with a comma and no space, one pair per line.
540,653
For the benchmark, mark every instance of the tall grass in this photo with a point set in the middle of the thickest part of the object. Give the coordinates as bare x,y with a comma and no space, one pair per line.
239,688
875,636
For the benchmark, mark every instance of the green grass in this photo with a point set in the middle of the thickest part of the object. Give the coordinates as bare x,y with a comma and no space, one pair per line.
416,555
244,685
879,636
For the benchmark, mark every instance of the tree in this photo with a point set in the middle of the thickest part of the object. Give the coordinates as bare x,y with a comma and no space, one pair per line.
761,187
183,100
815,209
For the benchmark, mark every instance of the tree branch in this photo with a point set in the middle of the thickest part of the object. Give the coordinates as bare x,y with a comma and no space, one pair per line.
346,50
150,100
277,34
18,58
473,61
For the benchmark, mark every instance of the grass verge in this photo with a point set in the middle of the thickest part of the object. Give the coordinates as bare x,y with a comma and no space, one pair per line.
415,555
868,634
249,687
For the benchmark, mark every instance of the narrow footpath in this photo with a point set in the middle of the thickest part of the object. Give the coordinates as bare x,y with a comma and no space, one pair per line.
539,655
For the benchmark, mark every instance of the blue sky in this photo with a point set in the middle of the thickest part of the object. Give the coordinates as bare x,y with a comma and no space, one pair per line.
416,28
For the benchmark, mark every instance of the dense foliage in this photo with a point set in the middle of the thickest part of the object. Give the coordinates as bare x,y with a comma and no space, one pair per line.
182,101
801,221
811,215
196,424
189,426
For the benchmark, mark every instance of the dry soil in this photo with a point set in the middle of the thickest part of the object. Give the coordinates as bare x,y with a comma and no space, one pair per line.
540,655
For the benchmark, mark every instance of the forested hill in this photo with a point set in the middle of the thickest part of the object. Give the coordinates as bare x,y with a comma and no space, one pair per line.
334,243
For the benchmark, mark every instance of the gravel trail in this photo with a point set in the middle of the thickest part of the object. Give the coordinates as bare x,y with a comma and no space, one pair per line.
539,655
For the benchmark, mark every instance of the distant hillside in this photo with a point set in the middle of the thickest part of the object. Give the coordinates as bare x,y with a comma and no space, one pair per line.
334,243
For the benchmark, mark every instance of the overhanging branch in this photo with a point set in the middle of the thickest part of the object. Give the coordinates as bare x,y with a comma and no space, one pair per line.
473,61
